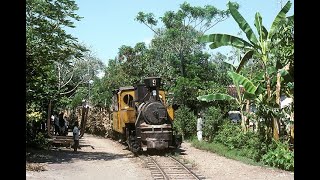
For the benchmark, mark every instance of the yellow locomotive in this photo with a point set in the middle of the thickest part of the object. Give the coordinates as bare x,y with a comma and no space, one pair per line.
141,117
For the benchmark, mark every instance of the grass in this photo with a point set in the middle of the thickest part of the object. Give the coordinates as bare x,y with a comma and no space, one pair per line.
222,150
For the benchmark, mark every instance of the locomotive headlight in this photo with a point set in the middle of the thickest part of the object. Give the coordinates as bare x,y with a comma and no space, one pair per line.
154,92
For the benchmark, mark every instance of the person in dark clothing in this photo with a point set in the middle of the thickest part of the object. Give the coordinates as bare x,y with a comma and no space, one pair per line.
61,123
56,124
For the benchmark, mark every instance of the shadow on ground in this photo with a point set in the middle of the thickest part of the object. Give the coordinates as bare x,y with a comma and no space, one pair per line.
62,155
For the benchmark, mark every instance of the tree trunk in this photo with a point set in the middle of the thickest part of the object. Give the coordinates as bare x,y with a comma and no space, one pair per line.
278,86
248,111
243,120
268,85
292,129
49,120
275,128
276,123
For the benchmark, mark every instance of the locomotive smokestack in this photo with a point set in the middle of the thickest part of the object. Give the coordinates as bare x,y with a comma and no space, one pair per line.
153,85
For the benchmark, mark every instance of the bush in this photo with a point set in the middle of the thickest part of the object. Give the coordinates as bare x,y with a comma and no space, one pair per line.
229,135
38,141
280,156
249,144
185,122
254,146
212,122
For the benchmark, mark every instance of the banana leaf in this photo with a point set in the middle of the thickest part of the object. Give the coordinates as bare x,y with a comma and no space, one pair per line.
219,40
243,24
259,77
271,70
279,18
286,75
215,97
241,80
229,66
244,60
249,96
260,90
262,31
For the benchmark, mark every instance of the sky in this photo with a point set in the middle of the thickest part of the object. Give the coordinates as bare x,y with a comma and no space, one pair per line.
108,24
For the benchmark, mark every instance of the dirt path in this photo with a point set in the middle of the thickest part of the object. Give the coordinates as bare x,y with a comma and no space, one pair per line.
101,158
108,160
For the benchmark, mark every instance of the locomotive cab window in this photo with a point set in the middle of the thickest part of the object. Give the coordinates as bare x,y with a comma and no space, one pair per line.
115,102
128,100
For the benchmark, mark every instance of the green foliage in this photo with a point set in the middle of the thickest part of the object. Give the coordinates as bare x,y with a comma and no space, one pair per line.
185,91
219,40
230,135
283,54
280,156
249,144
249,147
254,146
48,44
185,122
99,94
223,150
221,67
264,49
215,97
80,94
38,140
177,38
212,120
188,72
238,80
260,46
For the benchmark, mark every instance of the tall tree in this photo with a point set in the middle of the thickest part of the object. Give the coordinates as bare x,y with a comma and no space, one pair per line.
182,27
47,43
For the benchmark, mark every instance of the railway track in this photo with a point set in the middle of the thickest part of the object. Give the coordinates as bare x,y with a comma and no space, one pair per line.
168,167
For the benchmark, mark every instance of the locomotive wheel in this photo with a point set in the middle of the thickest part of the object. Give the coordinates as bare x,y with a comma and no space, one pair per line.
133,145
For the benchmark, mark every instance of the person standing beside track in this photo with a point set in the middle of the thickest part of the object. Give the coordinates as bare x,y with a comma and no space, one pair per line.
199,127
76,136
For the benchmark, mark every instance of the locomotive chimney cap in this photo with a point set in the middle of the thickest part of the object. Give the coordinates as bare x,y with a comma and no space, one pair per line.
152,82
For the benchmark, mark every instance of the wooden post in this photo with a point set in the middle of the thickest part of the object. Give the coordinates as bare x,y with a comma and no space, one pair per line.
85,111
49,120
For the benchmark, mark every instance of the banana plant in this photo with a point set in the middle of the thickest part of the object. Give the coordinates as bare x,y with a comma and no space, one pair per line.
238,80
259,47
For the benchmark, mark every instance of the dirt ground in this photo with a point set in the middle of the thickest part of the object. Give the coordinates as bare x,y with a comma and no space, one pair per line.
101,158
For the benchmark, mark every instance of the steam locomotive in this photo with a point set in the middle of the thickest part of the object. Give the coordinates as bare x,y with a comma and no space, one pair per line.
141,117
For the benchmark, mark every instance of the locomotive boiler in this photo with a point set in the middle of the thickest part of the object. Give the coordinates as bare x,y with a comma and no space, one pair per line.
142,118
